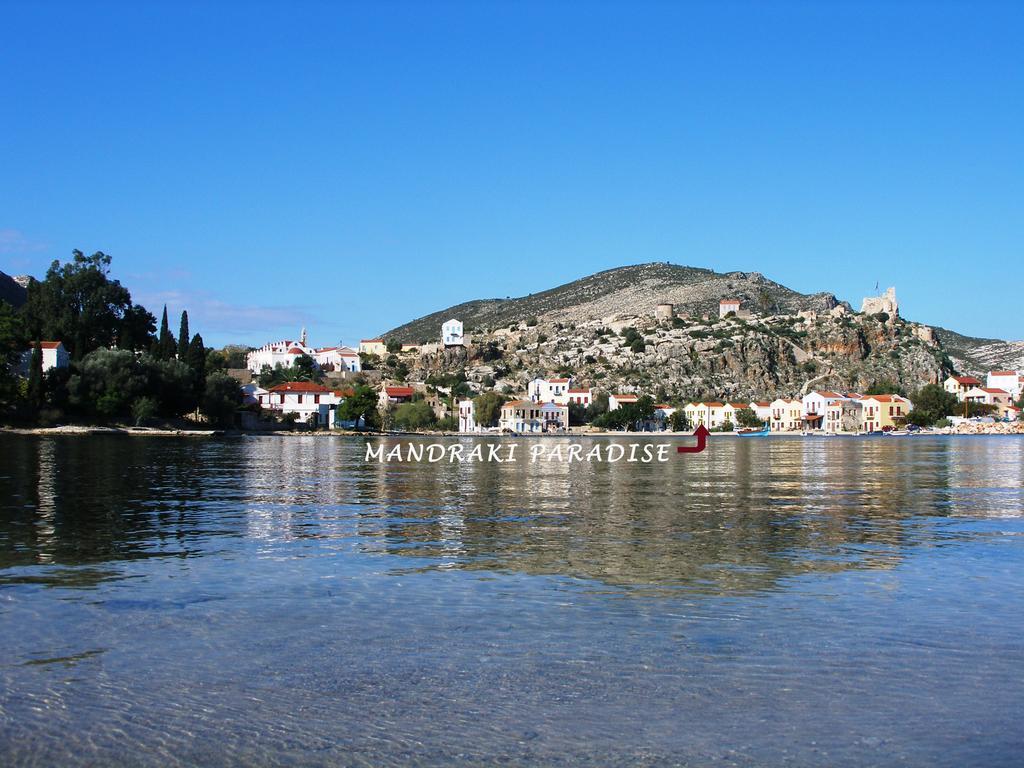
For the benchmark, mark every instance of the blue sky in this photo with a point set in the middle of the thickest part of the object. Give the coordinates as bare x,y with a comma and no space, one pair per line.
350,167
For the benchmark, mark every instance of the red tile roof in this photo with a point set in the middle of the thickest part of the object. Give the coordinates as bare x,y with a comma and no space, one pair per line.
558,381
399,391
579,391
994,391
48,344
299,386
966,380
1003,373
729,301
885,398
295,351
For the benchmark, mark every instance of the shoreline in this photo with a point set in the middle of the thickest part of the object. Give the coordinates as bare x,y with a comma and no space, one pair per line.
979,430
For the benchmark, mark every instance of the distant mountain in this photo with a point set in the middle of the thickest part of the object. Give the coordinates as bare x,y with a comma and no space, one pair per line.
974,355
636,289
11,291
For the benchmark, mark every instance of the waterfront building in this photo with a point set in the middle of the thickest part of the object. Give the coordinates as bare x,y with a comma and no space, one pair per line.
313,404
1010,381
787,415
958,385
884,412
814,406
762,408
844,415
467,416
617,401
526,416
1000,398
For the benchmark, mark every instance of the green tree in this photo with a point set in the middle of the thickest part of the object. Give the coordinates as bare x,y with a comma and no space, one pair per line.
35,378
221,398
414,416
105,382
195,358
598,406
393,345
678,421
137,330
487,408
183,336
79,304
359,407
144,410
931,403
746,417
12,347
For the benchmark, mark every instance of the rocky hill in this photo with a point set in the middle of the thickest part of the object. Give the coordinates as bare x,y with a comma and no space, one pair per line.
603,330
639,288
10,291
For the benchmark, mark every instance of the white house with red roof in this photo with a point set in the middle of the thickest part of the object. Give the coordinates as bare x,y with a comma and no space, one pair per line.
526,416
762,408
284,353
395,394
958,385
549,390
725,306
580,396
312,403
1010,381
54,356
815,408
1000,398
616,401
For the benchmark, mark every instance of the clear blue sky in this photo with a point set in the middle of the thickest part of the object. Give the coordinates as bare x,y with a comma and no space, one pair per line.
352,167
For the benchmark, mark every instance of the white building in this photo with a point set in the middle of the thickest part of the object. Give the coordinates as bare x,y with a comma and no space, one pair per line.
958,385
467,416
526,416
373,347
617,401
285,353
580,396
762,409
1000,398
815,406
54,356
313,404
1010,381
725,306
451,333
337,359
787,415
549,390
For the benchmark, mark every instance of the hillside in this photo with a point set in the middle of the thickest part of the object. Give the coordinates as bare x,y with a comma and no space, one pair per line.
603,331
639,288
10,291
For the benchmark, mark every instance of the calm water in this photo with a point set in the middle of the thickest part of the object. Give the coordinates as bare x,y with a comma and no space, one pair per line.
272,601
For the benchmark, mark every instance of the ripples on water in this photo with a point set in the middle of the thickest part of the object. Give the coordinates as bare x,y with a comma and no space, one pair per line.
274,601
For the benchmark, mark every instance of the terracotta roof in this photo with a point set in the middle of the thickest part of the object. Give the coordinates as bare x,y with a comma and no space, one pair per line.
885,398
827,394
344,392
579,391
715,405
371,341
625,397
1003,373
299,386
740,405
399,391
729,301
48,344
994,391
966,380
762,403
295,351
662,406
517,403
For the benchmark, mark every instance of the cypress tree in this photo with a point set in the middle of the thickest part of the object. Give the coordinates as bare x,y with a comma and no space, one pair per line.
165,344
183,337
35,377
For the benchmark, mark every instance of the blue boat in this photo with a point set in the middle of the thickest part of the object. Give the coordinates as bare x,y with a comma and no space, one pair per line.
762,432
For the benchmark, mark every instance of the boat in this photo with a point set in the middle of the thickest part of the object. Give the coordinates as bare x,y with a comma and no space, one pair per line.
762,432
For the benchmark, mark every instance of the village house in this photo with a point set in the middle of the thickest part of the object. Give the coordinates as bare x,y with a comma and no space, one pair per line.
313,404
467,416
451,333
709,414
337,359
373,347
1010,381
54,356
1000,398
762,409
884,412
814,406
617,401
730,411
580,396
958,385
844,415
393,394
787,415
725,306
526,416
549,390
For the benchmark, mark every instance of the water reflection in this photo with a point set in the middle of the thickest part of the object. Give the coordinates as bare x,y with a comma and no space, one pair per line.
739,518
